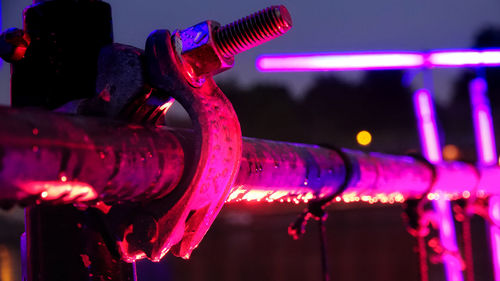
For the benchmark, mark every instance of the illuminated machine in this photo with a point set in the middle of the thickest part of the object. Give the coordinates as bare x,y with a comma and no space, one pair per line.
105,183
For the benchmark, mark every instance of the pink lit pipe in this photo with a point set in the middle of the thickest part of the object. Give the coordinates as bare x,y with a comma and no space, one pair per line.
487,156
269,170
461,58
377,60
451,256
429,137
483,124
339,62
494,213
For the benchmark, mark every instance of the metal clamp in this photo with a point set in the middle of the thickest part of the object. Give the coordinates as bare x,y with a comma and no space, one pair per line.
180,220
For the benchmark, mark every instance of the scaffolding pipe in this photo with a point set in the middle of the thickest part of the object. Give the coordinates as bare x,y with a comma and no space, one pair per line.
49,157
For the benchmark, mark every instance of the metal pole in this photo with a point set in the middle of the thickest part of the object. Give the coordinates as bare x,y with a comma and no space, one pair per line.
431,147
49,157
55,157
487,156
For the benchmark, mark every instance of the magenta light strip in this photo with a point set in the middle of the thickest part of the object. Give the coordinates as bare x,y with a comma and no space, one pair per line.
483,124
487,156
451,256
377,60
494,213
464,58
429,137
339,62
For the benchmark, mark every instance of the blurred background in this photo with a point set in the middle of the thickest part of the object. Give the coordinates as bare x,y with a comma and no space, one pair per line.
249,241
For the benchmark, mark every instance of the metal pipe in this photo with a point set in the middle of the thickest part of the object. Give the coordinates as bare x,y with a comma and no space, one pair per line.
431,147
376,60
487,156
66,159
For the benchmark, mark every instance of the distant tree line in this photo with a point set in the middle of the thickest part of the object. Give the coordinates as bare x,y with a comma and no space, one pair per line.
331,112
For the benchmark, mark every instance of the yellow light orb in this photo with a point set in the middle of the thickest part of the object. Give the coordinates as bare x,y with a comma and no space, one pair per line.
364,138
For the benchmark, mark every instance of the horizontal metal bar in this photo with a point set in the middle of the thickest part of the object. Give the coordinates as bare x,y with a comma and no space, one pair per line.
376,60
67,159
276,171
58,158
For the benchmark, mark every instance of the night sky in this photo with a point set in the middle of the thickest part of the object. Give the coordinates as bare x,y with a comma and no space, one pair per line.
319,26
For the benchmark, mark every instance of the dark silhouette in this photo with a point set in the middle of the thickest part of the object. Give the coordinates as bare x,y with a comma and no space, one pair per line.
331,112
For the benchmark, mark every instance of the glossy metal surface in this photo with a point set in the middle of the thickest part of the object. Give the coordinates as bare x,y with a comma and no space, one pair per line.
42,141
66,159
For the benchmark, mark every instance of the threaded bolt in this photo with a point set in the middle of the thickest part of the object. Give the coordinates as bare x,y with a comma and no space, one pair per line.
252,30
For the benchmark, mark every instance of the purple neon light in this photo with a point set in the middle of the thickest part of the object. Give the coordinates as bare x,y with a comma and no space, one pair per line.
377,60
429,137
487,156
494,211
451,258
464,58
483,124
339,62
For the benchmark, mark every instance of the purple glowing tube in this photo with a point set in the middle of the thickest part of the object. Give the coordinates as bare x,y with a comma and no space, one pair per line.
426,121
340,62
463,58
487,156
483,124
377,60
494,213
429,137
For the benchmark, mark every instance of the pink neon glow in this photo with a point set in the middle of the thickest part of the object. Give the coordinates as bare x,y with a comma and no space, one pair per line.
495,247
426,121
483,124
487,156
339,62
451,256
464,58
377,60
446,229
424,110
494,212
452,262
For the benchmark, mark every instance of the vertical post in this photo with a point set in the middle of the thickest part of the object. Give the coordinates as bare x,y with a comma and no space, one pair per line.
483,124
64,242
487,156
431,147
494,213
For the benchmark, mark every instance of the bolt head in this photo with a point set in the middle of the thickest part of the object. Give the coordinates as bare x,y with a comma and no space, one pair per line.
200,51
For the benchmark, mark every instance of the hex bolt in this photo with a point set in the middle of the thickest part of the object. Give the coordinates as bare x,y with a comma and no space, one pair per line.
252,30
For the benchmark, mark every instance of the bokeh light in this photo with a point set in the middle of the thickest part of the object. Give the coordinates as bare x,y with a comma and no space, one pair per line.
451,152
364,138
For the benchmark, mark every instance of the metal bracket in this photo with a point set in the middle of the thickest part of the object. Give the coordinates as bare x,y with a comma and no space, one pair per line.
180,220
